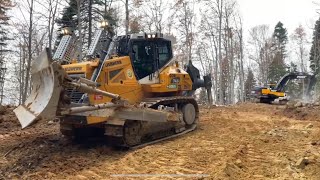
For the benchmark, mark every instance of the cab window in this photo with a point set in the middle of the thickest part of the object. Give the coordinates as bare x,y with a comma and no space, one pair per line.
164,53
142,58
149,56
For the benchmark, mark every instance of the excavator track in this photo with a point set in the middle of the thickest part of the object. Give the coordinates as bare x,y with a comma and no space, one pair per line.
137,134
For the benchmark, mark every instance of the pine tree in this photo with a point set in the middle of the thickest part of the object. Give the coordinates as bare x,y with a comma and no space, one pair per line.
293,67
69,13
68,19
295,86
91,11
276,71
5,5
249,84
278,66
280,36
315,49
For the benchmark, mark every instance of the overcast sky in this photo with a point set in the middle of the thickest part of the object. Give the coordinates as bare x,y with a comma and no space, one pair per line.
290,12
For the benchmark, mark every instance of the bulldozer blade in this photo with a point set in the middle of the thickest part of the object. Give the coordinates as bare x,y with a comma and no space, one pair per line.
46,80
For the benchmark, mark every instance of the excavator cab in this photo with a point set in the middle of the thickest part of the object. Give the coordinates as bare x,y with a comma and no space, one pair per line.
272,85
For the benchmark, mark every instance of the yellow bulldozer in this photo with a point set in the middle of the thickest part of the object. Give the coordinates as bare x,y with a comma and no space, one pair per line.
129,90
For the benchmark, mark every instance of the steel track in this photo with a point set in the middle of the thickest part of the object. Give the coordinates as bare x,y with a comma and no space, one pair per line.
193,127
154,103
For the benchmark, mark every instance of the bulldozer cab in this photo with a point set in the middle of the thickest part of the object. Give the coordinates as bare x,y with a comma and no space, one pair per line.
148,54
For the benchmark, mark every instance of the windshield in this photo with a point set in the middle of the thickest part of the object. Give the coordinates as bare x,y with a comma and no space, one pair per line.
149,56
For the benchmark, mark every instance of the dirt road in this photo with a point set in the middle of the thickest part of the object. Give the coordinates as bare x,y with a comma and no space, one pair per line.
248,141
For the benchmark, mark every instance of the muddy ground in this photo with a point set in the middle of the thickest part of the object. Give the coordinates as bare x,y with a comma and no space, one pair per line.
247,141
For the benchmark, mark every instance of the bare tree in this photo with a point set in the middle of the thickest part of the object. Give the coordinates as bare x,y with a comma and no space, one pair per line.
185,25
27,76
80,43
239,33
222,29
213,32
134,24
19,72
50,13
299,39
229,48
209,39
260,50
155,15
31,39
220,6
21,42
127,16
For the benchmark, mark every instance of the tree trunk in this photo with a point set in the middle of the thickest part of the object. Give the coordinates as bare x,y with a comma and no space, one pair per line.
226,75
2,74
127,17
221,98
241,65
24,56
20,73
216,64
51,23
90,22
231,69
27,75
79,29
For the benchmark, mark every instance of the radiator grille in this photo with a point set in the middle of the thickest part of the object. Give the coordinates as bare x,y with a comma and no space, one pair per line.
74,95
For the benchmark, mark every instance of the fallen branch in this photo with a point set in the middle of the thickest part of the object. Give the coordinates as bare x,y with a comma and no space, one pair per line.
5,155
12,149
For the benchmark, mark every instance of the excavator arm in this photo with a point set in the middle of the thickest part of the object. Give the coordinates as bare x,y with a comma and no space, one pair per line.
280,86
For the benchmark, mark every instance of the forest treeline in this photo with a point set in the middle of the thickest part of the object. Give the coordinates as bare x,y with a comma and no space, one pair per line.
208,32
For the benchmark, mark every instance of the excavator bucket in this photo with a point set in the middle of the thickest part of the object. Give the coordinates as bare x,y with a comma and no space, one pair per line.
46,80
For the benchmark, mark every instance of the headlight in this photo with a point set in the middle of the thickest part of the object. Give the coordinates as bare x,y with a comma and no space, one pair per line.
65,31
103,24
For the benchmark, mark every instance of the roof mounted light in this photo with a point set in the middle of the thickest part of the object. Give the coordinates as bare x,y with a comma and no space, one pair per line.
103,24
66,31
154,35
